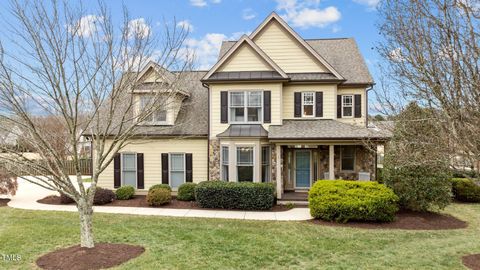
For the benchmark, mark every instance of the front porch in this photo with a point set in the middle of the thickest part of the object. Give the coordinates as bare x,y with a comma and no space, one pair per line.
299,166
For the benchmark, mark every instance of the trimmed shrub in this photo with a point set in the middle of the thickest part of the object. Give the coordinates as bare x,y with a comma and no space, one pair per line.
125,193
103,196
464,173
234,195
159,196
64,199
165,186
186,192
465,190
342,201
420,188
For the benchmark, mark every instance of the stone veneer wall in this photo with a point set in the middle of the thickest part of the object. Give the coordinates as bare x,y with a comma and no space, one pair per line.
364,162
273,163
214,160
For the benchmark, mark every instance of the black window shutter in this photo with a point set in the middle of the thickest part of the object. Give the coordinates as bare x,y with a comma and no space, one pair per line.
224,107
140,171
267,106
298,104
188,165
117,171
164,168
319,104
339,106
358,106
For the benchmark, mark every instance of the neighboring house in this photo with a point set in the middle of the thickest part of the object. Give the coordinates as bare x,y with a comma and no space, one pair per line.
274,108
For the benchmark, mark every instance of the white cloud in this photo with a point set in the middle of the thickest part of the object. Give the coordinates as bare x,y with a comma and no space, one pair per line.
198,3
371,4
396,55
86,26
336,29
205,50
216,1
248,14
138,28
307,14
186,25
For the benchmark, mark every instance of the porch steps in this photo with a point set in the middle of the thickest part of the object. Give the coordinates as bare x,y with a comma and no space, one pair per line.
285,202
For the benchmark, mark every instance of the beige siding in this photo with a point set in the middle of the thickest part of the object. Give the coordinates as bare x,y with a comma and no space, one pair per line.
245,59
276,96
151,76
285,51
355,91
152,150
329,98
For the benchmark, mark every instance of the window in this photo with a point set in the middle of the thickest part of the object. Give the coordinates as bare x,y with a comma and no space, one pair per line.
224,163
177,170
245,164
245,107
129,169
348,158
157,117
308,103
347,106
266,164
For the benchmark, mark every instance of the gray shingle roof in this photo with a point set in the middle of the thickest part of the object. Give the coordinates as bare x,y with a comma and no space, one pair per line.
322,129
237,130
245,75
342,53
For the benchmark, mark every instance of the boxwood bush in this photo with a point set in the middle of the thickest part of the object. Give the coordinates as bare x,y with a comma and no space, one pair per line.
125,192
165,186
103,196
186,192
158,196
234,195
342,201
465,190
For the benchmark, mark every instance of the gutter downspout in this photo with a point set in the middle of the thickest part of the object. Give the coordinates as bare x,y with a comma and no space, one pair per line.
366,104
208,131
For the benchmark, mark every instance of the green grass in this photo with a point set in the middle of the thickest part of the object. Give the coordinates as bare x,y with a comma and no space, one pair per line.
87,180
186,243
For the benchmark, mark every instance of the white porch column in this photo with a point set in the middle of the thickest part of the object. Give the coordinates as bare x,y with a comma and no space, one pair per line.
279,180
331,162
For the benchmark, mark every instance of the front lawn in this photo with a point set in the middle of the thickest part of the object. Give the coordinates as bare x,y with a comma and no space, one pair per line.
181,243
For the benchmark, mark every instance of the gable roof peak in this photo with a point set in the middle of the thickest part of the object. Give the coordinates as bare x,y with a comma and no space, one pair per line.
298,38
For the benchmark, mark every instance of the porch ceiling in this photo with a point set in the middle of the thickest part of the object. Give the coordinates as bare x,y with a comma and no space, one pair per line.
320,129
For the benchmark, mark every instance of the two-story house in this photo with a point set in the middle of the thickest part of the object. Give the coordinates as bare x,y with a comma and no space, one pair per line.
274,108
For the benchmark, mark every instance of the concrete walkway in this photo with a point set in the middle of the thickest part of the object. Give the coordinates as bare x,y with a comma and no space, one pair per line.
28,194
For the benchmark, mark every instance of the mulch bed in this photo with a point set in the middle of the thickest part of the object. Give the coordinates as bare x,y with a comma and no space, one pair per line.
141,201
3,202
472,261
407,220
103,255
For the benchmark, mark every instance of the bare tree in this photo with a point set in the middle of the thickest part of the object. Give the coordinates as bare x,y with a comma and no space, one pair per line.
432,54
78,70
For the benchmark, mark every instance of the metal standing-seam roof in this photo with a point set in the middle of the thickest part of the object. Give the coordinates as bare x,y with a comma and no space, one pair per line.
241,130
319,129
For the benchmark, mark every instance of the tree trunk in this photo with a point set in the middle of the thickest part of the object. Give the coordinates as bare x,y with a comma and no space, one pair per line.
85,212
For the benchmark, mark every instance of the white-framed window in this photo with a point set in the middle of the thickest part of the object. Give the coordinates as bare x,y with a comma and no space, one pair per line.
308,104
225,153
266,163
177,169
347,154
246,106
245,163
129,169
157,117
347,106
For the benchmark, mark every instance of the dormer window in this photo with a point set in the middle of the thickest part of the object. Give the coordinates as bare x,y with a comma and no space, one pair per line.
158,117
245,107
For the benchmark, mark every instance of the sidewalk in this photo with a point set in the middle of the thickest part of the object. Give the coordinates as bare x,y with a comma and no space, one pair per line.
28,194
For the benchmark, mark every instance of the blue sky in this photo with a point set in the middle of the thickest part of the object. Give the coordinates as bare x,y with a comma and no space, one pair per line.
214,20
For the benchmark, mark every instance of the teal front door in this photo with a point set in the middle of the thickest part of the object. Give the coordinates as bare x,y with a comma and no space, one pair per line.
302,171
